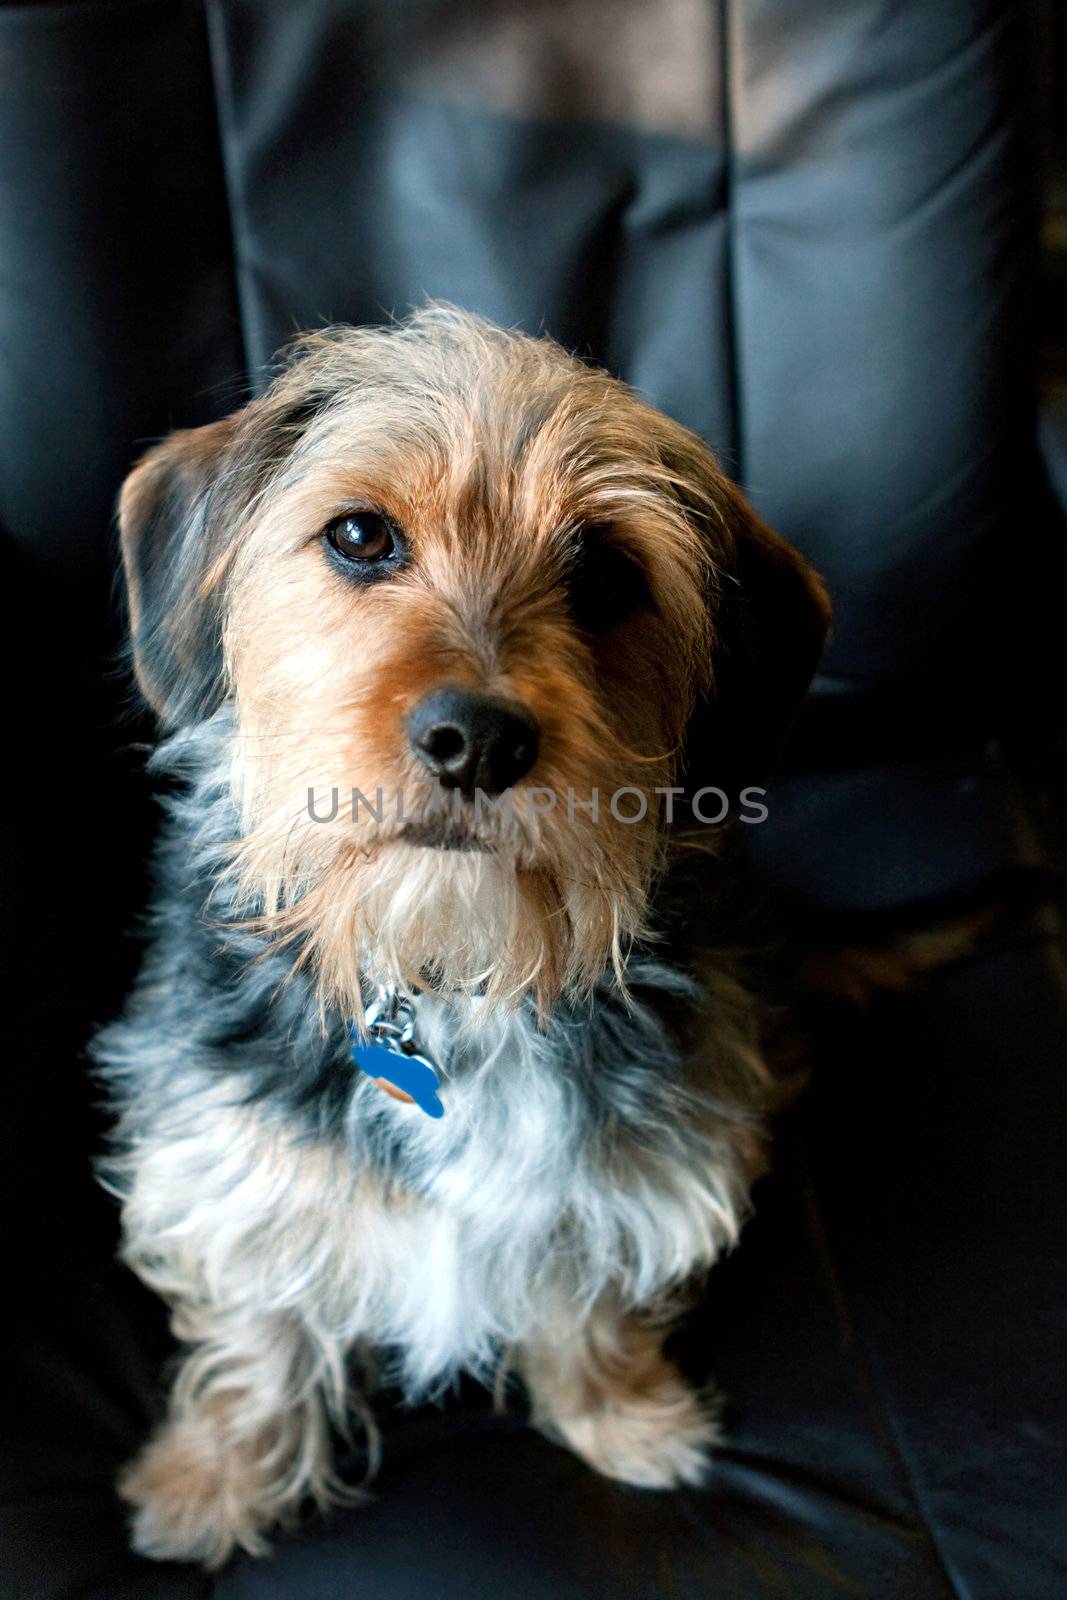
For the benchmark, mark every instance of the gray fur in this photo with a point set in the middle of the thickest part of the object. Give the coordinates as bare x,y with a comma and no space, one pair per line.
585,1156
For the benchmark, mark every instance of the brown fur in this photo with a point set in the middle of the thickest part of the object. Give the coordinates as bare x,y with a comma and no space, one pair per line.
607,1390
498,457
493,485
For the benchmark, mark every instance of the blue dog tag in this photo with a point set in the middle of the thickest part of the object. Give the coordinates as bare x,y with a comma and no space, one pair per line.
411,1075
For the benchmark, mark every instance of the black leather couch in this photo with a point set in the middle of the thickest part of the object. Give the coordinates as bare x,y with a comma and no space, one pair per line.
805,227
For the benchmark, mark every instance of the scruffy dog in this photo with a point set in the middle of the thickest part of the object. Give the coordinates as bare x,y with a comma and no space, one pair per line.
439,565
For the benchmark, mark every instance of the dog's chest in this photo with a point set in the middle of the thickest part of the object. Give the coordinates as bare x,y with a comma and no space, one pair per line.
568,1165
512,1113
561,1154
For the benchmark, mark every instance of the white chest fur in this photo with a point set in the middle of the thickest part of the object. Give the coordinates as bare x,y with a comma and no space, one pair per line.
516,1209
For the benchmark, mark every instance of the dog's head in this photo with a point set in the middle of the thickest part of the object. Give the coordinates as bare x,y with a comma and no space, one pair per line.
485,587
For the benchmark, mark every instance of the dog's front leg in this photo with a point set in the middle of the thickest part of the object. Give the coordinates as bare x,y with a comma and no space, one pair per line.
245,1441
604,1387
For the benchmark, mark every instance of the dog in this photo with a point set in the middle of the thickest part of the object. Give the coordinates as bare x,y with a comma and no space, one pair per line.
432,1084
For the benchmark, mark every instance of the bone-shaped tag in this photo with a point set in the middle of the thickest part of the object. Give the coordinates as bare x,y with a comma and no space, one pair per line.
394,1069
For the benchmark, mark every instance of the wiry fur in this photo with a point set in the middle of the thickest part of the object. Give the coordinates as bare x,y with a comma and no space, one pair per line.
604,1109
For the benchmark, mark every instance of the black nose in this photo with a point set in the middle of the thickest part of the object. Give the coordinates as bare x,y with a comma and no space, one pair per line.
473,741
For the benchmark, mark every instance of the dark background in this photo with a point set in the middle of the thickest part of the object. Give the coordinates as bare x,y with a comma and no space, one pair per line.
832,236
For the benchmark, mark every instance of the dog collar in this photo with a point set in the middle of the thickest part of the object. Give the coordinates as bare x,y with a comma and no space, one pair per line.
389,1053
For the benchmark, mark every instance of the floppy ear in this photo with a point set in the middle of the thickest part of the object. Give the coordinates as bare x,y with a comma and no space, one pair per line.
772,625
771,617
173,564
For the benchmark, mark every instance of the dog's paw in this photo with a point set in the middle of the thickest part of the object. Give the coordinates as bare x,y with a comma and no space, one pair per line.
190,1503
656,1441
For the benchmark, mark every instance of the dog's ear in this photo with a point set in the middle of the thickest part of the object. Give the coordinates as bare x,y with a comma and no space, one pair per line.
772,622
770,618
173,567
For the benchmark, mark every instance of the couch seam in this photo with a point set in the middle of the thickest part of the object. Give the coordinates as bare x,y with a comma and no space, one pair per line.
218,61
872,1386
730,275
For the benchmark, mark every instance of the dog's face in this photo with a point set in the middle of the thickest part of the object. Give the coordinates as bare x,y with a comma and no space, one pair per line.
457,571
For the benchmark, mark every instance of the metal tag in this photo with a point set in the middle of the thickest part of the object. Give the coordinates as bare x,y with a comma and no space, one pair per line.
390,1056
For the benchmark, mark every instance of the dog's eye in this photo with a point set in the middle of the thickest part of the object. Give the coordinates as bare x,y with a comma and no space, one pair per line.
362,536
604,584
